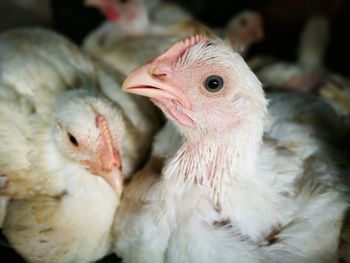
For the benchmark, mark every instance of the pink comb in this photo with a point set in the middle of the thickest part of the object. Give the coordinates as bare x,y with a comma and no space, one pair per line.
188,43
111,14
109,11
179,48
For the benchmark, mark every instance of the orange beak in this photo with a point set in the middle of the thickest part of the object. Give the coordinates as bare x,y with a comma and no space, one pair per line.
107,164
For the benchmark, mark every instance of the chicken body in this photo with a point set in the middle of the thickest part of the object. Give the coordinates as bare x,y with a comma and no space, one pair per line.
227,195
118,42
37,65
306,74
244,29
60,210
68,218
169,13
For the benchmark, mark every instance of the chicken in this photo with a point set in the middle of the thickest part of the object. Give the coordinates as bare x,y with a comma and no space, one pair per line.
306,74
228,194
74,161
245,29
307,125
168,13
336,91
118,42
37,65
309,73
313,43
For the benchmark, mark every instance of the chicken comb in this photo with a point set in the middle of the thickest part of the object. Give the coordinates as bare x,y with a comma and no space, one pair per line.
179,48
109,11
194,40
188,43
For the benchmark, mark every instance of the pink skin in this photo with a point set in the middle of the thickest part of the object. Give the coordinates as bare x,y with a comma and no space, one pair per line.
106,160
156,75
178,89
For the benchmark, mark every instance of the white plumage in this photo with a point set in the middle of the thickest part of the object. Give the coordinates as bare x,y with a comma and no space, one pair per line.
37,65
61,206
226,195
60,211
306,74
131,40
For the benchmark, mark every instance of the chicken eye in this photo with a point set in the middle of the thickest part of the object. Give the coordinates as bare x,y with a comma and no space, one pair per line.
214,83
243,22
73,140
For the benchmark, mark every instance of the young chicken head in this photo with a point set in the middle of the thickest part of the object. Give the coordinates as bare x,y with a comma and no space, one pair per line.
202,85
244,29
88,131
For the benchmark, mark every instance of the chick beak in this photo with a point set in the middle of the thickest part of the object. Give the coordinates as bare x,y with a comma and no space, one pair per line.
107,162
115,180
152,82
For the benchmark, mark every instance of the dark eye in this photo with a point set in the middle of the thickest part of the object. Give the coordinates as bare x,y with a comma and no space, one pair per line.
214,83
243,22
123,1
73,140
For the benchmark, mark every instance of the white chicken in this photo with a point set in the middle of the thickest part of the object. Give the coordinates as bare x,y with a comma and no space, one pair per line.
309,73
306,74
227,195
244,29
167,13
46,64
36,67
72,154
118,41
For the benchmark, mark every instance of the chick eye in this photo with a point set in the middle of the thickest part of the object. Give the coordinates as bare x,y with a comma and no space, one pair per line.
243,22
73,140
214,83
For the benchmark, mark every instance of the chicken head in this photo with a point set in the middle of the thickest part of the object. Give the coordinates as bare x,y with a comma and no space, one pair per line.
88,131
201,85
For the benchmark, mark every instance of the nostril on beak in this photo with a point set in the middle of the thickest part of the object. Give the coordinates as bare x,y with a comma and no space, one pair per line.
160,72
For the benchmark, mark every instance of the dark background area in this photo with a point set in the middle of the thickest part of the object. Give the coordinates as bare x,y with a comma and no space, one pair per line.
283,22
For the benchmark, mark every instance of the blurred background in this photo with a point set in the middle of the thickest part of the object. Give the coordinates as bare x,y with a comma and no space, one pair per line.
283,23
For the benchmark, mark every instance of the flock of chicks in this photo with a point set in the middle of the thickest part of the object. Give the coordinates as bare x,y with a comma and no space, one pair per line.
88,169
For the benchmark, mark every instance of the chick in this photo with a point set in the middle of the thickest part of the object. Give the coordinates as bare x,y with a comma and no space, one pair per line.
75,165
228,194
38,65
118,41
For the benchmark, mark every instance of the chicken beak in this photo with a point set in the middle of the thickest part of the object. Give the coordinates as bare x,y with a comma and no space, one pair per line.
109,168
114,178
145,83
107,162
